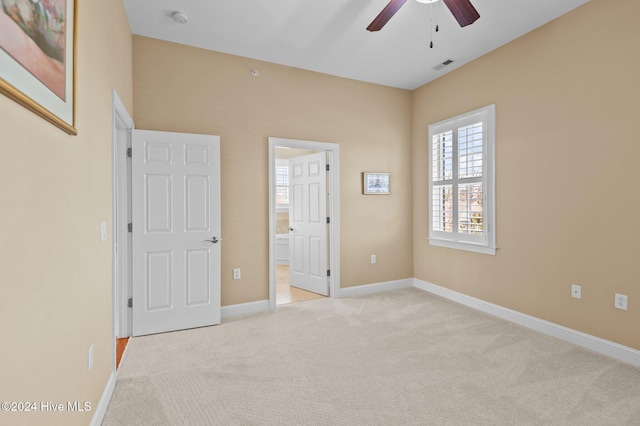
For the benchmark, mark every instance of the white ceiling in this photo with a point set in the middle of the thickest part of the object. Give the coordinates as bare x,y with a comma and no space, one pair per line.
329,36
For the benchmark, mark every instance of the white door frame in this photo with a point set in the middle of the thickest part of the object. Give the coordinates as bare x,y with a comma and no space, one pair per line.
333,210
121,214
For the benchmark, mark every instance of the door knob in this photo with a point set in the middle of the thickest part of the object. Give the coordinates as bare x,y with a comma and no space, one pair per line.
214,240
290,228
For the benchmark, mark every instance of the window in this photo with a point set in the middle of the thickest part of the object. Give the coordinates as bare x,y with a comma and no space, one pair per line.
462,182
282,184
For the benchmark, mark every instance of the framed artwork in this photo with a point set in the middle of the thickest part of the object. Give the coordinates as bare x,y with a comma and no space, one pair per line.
38,58
376,183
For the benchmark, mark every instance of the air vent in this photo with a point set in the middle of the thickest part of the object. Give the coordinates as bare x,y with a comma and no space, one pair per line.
442,65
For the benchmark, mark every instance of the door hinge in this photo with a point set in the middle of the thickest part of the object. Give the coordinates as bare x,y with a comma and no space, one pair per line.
327,167
129,152
130,303
130,227
328,220
328,272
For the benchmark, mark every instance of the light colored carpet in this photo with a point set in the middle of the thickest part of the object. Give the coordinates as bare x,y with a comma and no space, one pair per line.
404,357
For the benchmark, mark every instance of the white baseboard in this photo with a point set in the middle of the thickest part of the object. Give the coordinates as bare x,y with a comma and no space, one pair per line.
361,290
596,344
100,411
244,308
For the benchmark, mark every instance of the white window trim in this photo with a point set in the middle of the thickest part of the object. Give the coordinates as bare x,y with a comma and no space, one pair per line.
488,246
282,208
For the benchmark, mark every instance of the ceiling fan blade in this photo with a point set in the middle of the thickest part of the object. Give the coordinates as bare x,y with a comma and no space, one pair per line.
463,11
386,14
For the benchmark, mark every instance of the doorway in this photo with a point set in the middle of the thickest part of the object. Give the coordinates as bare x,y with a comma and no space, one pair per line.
166,229
121,215
122,127
291,286
281,234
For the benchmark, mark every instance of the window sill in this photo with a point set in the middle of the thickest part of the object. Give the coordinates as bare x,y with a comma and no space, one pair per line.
457,245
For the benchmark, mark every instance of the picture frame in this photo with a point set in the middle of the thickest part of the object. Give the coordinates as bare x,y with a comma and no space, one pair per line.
376,183
38,47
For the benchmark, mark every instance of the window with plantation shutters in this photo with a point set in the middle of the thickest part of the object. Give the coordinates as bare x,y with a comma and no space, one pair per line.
462,182
282,184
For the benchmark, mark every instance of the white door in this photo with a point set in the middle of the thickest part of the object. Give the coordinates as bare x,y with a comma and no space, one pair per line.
176,231
308,223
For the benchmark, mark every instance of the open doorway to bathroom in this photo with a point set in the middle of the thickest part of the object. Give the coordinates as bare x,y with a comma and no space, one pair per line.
304,249
286,291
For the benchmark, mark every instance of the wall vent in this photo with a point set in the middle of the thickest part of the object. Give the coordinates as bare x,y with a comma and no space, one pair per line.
443,64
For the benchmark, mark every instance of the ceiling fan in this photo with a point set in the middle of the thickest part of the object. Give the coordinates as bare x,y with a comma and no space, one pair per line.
462,10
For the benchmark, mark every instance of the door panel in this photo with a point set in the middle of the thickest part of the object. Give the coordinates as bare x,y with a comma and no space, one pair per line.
159,280
197,277
175,209
315,257
297,260
158,202
307,217
315,215
197,203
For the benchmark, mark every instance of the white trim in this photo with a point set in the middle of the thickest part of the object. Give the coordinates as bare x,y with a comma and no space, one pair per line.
244,309
120,120
361,290
101,409
333,210
596,344
121,110
478,248
120,238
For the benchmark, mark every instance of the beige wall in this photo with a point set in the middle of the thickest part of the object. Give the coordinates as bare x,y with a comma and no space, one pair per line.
567,150
55,274
185,89
567,147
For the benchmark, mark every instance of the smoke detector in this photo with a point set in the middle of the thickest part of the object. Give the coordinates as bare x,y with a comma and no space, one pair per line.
180,18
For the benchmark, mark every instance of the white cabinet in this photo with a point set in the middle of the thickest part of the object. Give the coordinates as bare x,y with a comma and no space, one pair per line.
282,249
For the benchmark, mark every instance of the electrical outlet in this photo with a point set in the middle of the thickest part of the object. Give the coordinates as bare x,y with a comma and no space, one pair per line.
373,258
576,291
236,274
90,358
621,301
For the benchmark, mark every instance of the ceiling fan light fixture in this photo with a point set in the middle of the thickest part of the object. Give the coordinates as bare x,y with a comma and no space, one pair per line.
427,1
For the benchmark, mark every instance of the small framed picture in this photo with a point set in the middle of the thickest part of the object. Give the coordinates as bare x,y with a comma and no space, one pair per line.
376,183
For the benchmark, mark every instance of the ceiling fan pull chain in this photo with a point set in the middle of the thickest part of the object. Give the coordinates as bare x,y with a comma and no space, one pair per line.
431,21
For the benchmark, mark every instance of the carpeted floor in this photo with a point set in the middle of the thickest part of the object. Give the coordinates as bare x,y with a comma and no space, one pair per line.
404,357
